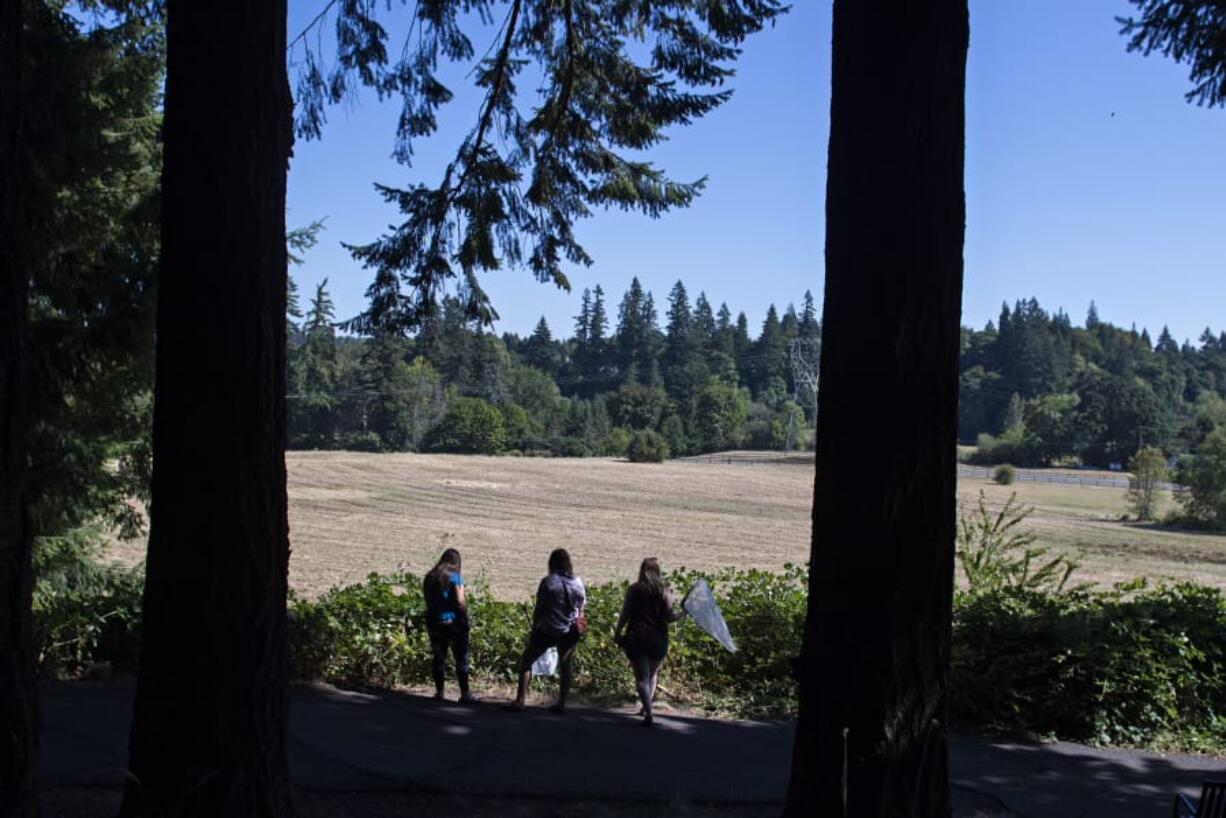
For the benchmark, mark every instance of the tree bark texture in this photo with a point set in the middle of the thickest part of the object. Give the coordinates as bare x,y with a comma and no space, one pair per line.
209,728
874,670
18,700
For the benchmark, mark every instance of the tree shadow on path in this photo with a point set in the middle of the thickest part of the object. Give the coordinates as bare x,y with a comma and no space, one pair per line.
390,744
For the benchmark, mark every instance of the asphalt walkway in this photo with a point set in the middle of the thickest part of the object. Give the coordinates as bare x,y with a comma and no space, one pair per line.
353,742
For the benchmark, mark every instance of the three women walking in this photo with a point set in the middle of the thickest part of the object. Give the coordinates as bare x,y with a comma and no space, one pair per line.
558,622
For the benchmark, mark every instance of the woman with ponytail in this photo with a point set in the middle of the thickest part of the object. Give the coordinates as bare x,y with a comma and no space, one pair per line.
447,622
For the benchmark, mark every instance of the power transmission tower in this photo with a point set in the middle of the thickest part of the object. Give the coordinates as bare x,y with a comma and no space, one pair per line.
804,357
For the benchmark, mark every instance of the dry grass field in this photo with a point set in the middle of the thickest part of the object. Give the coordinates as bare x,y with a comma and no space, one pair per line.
353,513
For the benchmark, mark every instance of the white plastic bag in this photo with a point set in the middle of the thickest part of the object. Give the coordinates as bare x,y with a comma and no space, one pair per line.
546,664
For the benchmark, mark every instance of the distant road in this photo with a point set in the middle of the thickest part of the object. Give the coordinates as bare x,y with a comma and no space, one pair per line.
1074,478
1070,477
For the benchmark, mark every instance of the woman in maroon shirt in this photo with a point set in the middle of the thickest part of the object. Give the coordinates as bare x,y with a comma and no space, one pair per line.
645,614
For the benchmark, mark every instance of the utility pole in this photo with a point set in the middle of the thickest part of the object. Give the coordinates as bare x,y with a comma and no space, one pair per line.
803,357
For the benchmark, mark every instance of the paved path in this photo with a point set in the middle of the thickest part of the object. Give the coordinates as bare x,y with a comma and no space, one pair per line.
352,742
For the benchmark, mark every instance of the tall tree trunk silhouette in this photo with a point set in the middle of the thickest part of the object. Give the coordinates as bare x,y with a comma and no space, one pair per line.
209,728
871,734
18,704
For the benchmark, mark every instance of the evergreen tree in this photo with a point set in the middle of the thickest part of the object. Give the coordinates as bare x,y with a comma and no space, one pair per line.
92,161
598,341
19,794
809,327
770,360
490,364
583,321
520,180
1092,320
313,415
1027,352
385,378
871,733
704,323
599,326
449,345
653,342
540,350
78,224
721,359
790,324
636,328
724,331
679,346
1187,32
209,717
741,349
293,312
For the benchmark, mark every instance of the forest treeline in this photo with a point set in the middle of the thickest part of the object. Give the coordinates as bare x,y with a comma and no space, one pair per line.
1036,390
701,382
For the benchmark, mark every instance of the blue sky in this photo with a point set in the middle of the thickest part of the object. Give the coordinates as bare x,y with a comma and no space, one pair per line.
1088,177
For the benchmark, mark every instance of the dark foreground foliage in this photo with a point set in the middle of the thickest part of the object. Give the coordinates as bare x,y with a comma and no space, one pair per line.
1131,666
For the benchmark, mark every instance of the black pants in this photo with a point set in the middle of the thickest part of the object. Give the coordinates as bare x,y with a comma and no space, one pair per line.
444,636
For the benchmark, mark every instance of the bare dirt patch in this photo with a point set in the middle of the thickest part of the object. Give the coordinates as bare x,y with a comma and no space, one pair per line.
353,513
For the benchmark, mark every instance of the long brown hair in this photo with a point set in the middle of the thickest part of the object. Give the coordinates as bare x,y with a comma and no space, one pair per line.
649,576
447,564
559,563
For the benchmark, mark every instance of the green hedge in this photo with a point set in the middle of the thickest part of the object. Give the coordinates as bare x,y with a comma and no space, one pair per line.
1130,666
373,633
1133,665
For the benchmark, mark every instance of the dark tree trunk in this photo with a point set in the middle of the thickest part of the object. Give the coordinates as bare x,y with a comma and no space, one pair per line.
18,704
874,670
209,728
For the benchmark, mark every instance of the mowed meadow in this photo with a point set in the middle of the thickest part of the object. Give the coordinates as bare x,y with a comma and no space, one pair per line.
353,513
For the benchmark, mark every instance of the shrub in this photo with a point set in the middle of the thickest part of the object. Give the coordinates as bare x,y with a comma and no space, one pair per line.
1148,468
569,447
519,426
672,429
615,442
1202,480
469,426
362,442
996,556
1005,474
647,447
720,415
637,406
85,612
1114,667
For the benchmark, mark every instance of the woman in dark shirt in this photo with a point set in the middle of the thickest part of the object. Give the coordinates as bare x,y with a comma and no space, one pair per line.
447,621
645,614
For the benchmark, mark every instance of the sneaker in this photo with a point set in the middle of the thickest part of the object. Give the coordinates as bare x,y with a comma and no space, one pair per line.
468,698
438,696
